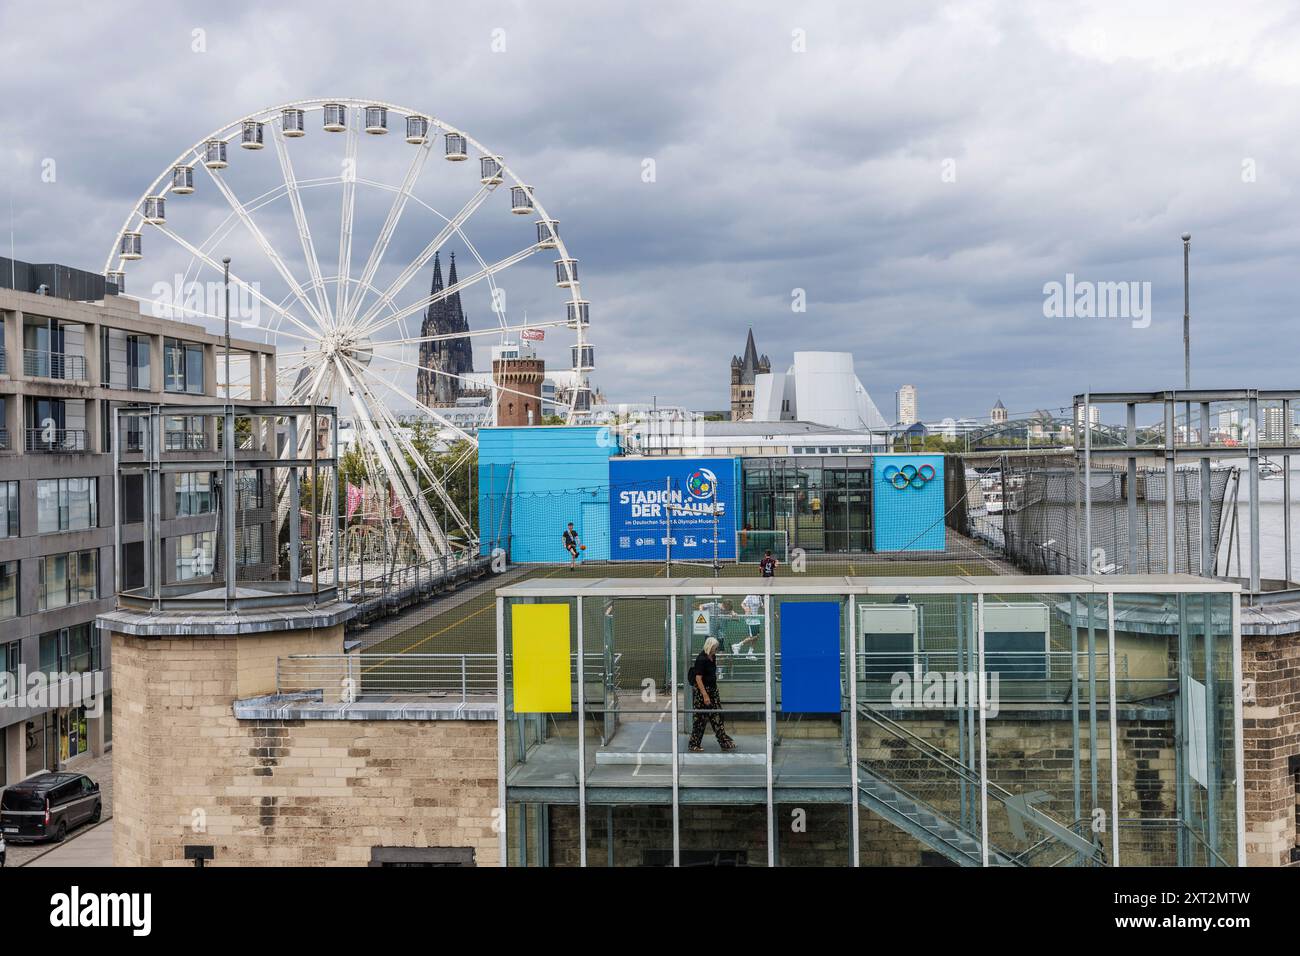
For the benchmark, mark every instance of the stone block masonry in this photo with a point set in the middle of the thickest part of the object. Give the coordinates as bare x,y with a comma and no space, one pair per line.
285,791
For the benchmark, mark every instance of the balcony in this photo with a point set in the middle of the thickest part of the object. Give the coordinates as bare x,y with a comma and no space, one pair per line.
58,440
186,440
54,365
4,440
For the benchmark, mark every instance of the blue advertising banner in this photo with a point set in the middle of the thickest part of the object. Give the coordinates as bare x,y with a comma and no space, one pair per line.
810,657
647,496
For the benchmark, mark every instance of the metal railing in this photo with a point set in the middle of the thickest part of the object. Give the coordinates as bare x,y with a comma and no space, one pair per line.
185,440
345,678
4,439
927,772
44,364
58,440
4,361
359,584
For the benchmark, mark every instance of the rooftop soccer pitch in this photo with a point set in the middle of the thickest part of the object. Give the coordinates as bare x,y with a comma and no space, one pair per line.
468,626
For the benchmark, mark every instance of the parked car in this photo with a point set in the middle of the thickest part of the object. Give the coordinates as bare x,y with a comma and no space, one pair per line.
48,805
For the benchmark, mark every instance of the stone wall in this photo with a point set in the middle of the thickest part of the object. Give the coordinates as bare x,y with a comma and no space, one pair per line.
280,792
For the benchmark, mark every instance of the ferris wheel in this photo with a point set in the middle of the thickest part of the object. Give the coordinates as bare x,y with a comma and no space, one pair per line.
369,340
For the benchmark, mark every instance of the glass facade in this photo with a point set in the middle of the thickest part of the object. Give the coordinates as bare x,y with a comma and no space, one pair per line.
1055,726
66,579
66,504
820,504
183,367
194,555
8,589
193,493
8,509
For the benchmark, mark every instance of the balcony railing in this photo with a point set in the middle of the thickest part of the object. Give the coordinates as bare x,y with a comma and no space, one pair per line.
4,361
58,440
41,364
188,440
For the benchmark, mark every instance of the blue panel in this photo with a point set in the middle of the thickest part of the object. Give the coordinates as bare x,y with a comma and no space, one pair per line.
534,480
639,490
908,502
810,657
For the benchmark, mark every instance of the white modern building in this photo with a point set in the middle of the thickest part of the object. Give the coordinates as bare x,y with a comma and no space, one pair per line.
820,388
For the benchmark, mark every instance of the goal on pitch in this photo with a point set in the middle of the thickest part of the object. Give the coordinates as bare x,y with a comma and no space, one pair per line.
750,546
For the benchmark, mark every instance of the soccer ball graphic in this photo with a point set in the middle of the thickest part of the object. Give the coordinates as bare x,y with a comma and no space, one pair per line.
702,483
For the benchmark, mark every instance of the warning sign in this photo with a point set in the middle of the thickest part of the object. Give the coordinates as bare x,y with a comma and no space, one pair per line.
700,623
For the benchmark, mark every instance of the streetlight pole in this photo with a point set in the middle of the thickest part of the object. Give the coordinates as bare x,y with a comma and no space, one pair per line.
225,262
1187,313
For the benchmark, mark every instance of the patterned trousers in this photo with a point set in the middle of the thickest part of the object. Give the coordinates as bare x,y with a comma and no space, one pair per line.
707,714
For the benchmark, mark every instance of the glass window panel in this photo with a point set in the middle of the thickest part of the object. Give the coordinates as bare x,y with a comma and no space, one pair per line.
9,589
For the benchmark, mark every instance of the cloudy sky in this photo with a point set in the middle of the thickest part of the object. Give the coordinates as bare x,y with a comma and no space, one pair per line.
919,170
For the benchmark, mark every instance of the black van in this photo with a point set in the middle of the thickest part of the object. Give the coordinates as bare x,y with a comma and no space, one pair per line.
48,806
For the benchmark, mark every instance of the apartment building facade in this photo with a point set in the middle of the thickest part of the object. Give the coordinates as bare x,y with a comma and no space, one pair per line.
66,366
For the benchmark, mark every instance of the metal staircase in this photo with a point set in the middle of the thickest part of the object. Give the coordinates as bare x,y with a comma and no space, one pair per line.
904,787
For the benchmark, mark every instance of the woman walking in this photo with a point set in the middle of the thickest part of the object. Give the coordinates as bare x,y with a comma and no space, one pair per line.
707,703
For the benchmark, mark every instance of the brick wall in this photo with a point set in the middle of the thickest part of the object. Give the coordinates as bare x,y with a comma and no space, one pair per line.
295,792
1271,747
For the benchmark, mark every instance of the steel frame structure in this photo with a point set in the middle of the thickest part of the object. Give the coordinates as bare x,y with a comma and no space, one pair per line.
1171,452
1100,598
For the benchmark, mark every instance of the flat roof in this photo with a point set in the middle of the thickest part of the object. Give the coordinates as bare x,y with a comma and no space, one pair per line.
801,584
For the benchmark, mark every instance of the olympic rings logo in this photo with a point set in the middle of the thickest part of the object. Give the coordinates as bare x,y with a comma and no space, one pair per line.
908,476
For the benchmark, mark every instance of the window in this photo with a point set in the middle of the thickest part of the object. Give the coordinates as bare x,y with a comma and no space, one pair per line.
65,579
124,359
132,498
8,509
248,490
71,650
194,555
8,589
193,493
67,504
248,545
11,656
183,366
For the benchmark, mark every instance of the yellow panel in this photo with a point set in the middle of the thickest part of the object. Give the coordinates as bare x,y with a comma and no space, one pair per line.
540,633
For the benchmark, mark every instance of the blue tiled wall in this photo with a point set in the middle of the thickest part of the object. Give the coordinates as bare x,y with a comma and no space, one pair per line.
561,474
907,518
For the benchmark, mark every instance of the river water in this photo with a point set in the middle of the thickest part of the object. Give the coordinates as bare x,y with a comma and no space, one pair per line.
1272,551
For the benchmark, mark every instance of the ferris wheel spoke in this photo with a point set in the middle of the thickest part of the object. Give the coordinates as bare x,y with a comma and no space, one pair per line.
260,238
413,268
436,486
348,208
300,218
402,393
404,486
253,290
395,211
497,389
421,304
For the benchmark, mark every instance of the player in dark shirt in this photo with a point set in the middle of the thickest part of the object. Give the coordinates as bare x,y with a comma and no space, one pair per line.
571,545
705,700
767,566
